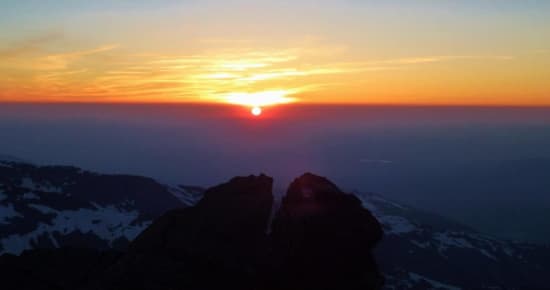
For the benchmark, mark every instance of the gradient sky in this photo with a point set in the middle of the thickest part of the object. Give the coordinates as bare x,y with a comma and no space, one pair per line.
355,51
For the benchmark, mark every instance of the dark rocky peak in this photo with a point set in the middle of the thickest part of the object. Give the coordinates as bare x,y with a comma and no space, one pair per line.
312,199
232,214
310,186
315,195
221,241
324,237
228,213
248,194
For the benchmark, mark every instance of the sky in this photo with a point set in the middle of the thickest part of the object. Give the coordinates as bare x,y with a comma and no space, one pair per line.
259,53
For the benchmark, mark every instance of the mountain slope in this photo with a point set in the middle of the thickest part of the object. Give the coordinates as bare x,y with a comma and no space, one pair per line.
56,206
423,250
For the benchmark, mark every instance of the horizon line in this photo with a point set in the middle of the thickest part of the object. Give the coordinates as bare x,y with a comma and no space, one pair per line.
319,104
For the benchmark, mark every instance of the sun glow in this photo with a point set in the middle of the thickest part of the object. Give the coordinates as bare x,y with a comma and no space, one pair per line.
260,99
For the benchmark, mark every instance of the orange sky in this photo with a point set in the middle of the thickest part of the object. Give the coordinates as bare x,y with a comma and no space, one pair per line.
263,52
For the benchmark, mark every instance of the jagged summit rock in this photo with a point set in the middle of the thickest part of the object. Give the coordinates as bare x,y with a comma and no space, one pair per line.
219,242
230,215
312,199
324,238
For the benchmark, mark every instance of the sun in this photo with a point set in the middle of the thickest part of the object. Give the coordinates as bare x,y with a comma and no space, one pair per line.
258,100
256,111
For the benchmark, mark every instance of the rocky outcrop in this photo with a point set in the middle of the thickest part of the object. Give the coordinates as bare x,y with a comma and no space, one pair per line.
324,238
221,241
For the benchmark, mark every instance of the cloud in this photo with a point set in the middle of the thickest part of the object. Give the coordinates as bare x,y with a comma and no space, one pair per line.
29,69
30,46
107,73
62,60
435,59
34,54
444,58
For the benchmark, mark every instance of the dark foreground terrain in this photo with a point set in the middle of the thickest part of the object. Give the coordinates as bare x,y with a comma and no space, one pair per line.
64,228
320,238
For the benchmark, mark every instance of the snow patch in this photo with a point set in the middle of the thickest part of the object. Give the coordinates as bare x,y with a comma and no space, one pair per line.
30,195
5,164
28,183
109,223
385,201
366,204
459,240
42,208
7,212
392,224
508,251
423,245
396,225
14,244
53,240
486,253
446,241
366,201
435,284
186,196
494,244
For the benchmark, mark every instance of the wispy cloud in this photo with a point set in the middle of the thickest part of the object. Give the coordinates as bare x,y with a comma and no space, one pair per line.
108,73
396,62
27,47
61,60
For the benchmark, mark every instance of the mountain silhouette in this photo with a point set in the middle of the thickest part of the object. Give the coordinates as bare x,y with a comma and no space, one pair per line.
63,227
321,238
